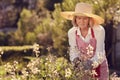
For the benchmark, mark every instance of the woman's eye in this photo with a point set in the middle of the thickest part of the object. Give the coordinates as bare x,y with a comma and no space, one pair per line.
78,18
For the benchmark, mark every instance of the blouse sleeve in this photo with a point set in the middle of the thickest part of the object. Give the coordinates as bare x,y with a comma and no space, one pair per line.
74,52
100,47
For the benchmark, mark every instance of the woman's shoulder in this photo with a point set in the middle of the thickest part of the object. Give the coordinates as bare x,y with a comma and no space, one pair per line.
99,28
72,30
99,31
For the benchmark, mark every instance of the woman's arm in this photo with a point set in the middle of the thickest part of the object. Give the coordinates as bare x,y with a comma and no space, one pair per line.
100,47
74,52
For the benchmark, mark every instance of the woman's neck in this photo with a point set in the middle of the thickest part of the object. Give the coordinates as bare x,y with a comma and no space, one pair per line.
84,31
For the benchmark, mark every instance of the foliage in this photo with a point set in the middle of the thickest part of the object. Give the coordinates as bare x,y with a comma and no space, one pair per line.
59,30
24,25
107,9
2,37
54,26
30,38
15,48
33,23
29,20
47,67
40,20
42,67
49,4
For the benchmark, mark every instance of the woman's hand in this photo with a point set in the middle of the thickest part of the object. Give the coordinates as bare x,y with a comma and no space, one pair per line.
87,65
76,62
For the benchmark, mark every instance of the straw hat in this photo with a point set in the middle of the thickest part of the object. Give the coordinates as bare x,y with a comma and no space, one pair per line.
82,9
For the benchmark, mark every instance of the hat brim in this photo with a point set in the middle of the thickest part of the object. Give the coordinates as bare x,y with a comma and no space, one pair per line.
69,16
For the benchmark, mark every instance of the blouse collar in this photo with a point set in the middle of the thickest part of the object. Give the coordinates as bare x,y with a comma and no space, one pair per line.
79,32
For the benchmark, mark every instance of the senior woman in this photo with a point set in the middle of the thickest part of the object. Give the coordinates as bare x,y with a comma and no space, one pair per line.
86,40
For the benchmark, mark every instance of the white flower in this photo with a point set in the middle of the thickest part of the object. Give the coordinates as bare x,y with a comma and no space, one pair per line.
95,64
94,73
36,49
1,52
90,50
35,70
68,72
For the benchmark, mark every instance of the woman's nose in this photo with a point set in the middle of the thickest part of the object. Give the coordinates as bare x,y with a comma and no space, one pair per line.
82,20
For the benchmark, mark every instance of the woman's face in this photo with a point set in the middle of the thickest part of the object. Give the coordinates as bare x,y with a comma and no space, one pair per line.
82,21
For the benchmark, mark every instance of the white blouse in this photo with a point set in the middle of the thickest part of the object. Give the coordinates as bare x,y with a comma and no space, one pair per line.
99,33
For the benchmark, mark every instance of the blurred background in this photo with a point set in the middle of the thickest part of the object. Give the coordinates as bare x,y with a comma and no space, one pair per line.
24,23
